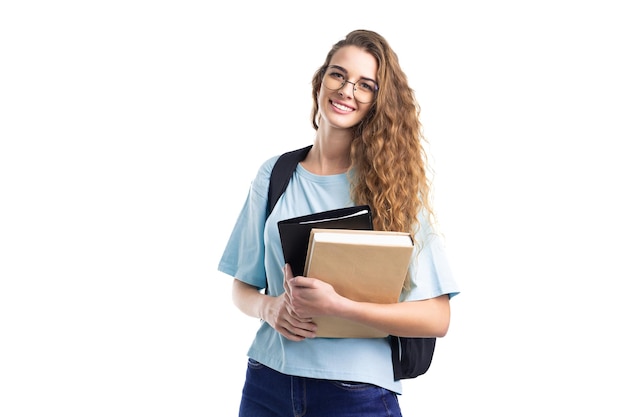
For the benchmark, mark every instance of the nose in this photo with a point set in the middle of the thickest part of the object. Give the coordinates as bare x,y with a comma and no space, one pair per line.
350,89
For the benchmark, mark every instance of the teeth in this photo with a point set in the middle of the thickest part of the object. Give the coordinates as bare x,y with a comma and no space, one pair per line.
341,107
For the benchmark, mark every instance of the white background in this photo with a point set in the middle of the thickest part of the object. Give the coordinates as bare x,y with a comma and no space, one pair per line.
130,132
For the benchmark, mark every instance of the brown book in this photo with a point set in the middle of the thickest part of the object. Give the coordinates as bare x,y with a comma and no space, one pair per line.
363,265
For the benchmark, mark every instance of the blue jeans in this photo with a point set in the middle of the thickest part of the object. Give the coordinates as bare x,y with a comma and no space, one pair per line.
267,393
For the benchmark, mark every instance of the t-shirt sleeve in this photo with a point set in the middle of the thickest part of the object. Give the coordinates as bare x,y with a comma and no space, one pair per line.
244,255
430,271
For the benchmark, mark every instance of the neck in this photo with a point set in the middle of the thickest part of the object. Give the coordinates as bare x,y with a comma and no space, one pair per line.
329,155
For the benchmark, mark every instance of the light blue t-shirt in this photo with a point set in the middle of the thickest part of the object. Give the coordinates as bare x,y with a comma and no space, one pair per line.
254,251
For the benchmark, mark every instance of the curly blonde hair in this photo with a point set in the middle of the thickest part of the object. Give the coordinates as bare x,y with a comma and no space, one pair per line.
389,163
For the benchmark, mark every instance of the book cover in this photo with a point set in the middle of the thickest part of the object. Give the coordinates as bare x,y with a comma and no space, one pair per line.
363,265
294,232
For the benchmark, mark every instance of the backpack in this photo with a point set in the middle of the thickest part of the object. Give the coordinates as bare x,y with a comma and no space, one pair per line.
411,356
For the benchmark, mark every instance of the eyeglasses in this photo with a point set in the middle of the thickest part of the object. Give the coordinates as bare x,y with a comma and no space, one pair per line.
365,90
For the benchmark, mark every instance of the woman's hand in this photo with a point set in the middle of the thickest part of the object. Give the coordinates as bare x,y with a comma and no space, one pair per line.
282,318
309,297
275,311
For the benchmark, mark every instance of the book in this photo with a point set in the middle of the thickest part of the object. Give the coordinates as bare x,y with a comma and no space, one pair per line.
363,265
294,232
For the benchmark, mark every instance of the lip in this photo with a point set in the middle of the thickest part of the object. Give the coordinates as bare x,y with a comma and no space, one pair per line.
348,108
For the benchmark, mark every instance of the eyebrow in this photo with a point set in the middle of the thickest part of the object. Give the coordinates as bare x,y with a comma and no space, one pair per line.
346,72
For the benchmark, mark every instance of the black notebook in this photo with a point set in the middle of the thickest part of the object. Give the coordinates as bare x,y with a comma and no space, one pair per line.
295,232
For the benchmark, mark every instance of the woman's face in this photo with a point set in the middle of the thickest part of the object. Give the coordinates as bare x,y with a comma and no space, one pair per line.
345,107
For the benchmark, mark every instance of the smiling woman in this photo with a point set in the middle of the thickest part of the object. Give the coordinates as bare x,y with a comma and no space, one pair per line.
367,150
343,103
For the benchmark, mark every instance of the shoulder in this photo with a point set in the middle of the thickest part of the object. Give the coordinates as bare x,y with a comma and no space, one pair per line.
426,227
261,181
265,169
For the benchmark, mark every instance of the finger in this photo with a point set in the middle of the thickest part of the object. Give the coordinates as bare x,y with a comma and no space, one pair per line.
301,331
286,280
302,282
288,271
297,318
289,330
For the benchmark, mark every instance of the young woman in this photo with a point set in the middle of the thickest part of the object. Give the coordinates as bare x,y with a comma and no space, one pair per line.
367,150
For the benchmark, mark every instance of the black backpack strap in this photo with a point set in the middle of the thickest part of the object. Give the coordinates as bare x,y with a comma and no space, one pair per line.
281,174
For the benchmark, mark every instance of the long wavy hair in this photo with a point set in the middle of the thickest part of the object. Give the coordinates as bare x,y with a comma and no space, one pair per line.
389,162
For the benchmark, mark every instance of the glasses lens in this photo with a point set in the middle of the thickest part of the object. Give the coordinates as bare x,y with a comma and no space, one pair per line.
364,90
333,79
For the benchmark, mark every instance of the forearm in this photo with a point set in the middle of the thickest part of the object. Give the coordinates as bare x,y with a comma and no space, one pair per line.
426,318
250,301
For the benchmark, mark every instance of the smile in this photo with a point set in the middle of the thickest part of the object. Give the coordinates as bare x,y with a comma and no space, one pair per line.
341,106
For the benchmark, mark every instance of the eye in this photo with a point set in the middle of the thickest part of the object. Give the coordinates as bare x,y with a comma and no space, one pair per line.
366,86
337,75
